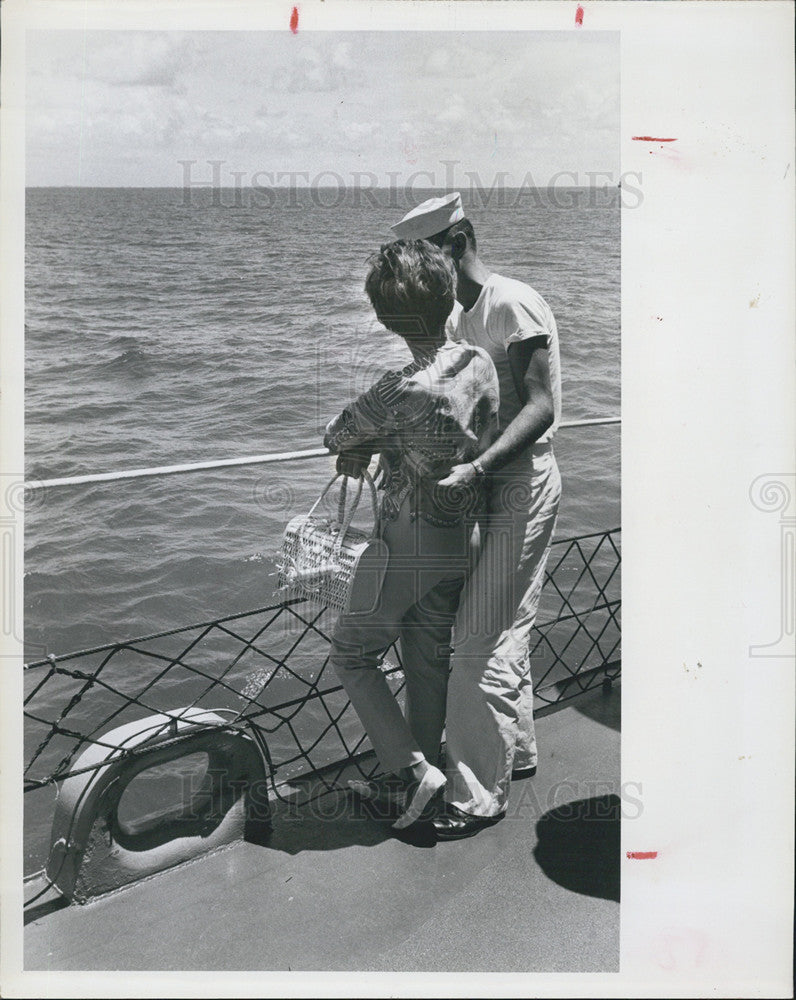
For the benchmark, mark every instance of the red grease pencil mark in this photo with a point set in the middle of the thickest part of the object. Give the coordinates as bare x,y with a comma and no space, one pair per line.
579,16
650,138
294,21
642,855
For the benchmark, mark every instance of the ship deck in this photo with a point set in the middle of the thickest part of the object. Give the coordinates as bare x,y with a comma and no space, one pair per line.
334,889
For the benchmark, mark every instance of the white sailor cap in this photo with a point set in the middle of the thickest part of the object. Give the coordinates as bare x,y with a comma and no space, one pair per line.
430,218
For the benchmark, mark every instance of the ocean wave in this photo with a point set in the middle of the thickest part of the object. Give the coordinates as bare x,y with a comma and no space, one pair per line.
128,342
132,362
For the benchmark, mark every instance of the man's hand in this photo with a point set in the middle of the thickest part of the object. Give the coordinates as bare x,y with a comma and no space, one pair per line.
460,475
353,462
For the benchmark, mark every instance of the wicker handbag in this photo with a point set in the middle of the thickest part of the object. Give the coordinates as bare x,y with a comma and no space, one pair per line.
331,563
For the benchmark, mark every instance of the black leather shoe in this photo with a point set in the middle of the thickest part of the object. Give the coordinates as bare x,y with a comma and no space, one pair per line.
454,824
523,772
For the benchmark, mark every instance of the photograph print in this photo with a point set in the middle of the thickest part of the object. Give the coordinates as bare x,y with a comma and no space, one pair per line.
323,525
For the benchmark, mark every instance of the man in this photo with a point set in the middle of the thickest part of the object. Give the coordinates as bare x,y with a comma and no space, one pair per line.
489,726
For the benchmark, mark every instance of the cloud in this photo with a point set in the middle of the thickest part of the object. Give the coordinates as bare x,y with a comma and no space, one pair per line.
452,113
135,60
318,69
438,63
357,131
333,101
341,57
263,113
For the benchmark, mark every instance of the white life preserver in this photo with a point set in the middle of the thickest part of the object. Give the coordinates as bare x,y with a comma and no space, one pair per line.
92,852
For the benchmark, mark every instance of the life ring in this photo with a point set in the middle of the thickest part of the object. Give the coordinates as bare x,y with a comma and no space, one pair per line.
93,851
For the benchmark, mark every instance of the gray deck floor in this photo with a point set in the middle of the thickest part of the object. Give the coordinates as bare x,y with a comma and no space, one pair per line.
537,892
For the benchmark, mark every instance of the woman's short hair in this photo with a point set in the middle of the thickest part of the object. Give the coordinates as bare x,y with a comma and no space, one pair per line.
412,286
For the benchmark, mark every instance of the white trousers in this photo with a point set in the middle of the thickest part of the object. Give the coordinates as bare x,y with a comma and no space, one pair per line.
489,726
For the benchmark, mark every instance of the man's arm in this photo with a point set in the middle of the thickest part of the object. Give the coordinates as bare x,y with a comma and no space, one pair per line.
531,373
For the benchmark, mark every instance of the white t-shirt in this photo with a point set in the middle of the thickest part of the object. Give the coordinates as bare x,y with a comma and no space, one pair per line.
506,312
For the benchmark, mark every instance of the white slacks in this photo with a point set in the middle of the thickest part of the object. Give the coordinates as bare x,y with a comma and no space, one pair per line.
489,727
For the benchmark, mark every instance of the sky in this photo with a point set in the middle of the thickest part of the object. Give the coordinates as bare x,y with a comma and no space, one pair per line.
124,108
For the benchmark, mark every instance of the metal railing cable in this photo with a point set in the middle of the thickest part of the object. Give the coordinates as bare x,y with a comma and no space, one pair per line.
224,463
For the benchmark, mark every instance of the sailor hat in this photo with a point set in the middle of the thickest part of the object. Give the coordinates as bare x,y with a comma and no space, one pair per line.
430,218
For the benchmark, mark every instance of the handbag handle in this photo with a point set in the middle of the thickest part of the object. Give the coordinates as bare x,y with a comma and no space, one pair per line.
325,490
290,567
345,521
343,518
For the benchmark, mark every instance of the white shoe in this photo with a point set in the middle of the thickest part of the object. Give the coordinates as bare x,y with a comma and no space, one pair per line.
429,786
385,789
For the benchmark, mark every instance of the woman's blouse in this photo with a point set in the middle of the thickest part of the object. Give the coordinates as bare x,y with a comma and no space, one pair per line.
435,413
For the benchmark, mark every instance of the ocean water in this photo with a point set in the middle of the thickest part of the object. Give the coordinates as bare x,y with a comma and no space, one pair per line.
163,329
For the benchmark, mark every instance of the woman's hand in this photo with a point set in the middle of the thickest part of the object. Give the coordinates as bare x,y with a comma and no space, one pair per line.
460,475
353,462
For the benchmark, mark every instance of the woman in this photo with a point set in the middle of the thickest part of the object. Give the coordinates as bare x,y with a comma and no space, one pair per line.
439,411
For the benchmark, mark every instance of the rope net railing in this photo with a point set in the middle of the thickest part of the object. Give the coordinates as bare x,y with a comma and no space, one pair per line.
268,671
